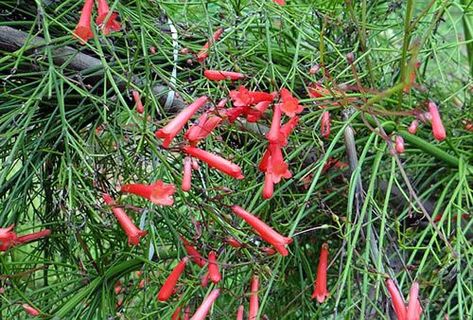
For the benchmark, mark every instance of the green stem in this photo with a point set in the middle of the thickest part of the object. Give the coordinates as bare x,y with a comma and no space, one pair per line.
467,20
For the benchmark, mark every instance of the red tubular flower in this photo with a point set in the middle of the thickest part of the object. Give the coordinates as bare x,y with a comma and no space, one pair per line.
134,234
399,144
7,238
221,104
216,75
214,273
83,31
193,253
186,179
286,130
414,310
277,167
289,105
204,126
240,312
215,161
111,24
195,164
437,127
241,97
317,91
253,310
204,308
274,134
138,104
397,300
168,287
169,131
118,287
268,186
255,113
325,125
30,310
233,242
265,231
268,251
204,52
177,314
413,126
159,192
280,2
33,236
320,285
187,313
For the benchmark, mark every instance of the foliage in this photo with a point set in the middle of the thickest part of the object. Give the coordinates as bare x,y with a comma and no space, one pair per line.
65,138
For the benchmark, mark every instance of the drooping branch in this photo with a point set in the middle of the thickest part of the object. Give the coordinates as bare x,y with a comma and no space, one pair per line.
12,40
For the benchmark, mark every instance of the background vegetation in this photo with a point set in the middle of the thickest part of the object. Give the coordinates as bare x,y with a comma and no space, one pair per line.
54,162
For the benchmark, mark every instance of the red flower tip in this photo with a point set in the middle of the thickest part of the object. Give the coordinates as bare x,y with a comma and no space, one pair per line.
397,300
280,2
289,104
240,312
30,310
159,193
320,285
214,273
314,69
118,287
204,52
168,287
187,313
177,314
7,238
233,242
215,161
138,104
254,305
318,91
413,126
193,253
266,232
414,310
399,144
204,308
134,234
269,251
169,131
83,31
437,126
187,178
325,125
204,280
216,75
111,24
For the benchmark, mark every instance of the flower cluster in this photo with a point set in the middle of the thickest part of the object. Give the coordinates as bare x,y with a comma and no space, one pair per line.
106,19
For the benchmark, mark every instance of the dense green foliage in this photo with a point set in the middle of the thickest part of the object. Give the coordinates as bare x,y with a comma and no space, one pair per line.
66,136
